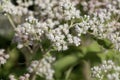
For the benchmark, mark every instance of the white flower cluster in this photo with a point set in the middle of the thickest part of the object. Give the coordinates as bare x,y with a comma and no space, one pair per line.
57,31
69,10
24,77
12,77
104,21
43,67
59,34
108,70
56,21
61,37
60,9
19,10
100,23
3,57
83,26
92,6
29,31
104,26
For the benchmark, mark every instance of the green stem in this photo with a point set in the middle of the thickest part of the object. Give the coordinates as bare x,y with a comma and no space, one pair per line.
68,73
86,70
11,21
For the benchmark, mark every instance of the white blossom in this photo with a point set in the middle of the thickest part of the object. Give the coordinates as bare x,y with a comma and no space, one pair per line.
12,77
24,77
43,68
3,57
107,70
19,10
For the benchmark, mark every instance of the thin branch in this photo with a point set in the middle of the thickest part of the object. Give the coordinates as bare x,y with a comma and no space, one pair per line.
11,21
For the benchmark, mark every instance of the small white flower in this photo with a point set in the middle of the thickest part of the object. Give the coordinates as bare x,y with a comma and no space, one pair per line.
106,70
3,57
44,68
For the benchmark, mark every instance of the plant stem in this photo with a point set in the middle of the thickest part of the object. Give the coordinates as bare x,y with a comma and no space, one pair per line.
68,73
86,70
11,21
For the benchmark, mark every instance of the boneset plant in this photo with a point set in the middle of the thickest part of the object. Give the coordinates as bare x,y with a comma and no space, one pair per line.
50,27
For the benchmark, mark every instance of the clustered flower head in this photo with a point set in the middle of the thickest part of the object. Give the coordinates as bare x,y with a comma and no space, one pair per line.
54,24
108,70
59,9
24,77
92,6
104,26
3,57
104,19
12,77
43,67
16,10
